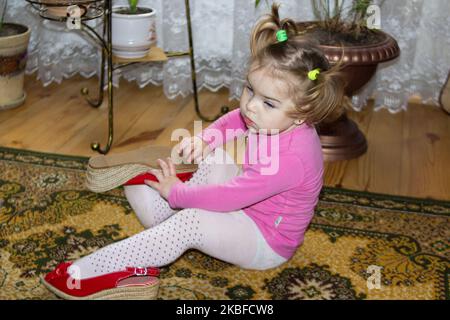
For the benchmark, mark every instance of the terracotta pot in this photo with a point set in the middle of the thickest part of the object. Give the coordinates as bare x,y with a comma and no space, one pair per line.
342,139
13,58
58,8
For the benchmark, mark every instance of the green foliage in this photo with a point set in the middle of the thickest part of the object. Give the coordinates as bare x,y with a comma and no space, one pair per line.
133,5
341,16
3,5
347,17
258,1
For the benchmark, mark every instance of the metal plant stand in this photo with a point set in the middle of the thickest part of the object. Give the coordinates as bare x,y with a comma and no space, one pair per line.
94,9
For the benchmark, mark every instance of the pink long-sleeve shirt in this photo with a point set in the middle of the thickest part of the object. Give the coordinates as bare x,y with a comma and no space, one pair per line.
282,201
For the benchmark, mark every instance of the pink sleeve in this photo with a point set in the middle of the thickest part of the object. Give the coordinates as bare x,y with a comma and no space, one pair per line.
225,128
241,191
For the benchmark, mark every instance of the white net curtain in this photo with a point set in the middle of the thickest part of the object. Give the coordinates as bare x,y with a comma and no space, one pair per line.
221,30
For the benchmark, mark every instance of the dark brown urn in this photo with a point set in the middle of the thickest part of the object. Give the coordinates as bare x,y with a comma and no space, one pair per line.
341,139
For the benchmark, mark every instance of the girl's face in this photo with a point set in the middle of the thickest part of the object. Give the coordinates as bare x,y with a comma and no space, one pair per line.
265,101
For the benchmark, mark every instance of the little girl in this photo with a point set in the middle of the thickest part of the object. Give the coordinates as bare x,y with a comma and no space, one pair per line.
242,216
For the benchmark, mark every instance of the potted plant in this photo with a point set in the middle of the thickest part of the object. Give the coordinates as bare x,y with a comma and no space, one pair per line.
342,31
133,30
14,39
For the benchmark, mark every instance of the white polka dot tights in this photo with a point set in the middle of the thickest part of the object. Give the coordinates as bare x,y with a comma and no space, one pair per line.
230,237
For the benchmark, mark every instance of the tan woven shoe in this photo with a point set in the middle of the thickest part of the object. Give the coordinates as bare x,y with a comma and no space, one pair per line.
106,172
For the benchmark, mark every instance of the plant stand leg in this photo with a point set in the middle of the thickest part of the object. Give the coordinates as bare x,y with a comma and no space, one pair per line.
224,109
107,24
85,91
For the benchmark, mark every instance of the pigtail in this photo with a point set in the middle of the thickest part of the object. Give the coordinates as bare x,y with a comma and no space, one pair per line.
325,100
265,30
330,95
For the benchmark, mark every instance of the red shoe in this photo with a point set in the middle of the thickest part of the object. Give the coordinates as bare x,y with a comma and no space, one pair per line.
139,179
130,284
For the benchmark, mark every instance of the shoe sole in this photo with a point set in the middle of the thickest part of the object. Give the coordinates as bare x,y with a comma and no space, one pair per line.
143,292
146,156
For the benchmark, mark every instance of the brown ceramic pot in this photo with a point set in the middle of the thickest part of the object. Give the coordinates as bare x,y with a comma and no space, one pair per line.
342,139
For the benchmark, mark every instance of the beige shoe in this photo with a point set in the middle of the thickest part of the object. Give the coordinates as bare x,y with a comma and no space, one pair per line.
106,172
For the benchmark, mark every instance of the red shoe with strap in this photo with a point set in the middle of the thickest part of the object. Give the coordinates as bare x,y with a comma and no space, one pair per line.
132,283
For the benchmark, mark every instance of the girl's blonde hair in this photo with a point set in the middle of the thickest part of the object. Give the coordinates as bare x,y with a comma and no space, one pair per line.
316,100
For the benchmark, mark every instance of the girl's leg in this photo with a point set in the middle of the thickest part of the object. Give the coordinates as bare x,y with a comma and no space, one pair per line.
151,209
231,237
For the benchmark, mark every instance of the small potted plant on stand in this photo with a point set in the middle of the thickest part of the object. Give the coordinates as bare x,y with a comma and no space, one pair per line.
133,30
14,39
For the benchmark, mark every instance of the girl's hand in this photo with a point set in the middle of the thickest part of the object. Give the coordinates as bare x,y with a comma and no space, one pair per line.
192,148
166,176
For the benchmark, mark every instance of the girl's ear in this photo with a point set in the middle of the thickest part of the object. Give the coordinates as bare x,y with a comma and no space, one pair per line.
298,122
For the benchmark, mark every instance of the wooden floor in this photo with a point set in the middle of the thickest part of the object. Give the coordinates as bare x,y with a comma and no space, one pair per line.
408,154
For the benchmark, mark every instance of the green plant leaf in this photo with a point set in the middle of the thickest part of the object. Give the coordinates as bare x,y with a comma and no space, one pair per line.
133,5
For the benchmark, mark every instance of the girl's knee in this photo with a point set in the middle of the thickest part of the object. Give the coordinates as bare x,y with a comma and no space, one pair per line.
188,213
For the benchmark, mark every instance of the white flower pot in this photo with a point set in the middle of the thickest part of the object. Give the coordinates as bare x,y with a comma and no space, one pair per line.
133,34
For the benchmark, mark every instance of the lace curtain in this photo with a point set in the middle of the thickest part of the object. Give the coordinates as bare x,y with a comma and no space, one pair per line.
221,31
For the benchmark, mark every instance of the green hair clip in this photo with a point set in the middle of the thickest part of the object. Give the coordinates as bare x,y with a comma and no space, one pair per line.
281,35
312,75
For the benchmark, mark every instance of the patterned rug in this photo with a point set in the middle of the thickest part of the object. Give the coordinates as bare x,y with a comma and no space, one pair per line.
359,246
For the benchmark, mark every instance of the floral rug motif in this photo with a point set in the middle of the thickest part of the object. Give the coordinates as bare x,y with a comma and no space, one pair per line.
360,245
